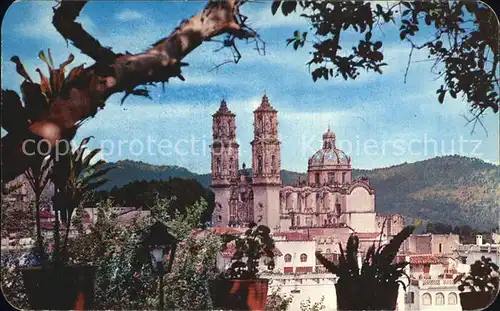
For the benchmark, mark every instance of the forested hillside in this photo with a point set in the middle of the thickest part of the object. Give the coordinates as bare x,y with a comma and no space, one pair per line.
450,189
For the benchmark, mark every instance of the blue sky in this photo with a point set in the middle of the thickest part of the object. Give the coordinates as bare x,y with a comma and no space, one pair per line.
379,120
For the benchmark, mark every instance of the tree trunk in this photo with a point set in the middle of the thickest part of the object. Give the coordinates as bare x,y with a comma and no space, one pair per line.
114,73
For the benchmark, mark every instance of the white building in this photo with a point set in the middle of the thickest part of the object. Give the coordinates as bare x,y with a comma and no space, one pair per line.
432,294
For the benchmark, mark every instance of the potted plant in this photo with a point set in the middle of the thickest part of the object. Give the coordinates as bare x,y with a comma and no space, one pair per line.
479,287
239,287
53,284
374,285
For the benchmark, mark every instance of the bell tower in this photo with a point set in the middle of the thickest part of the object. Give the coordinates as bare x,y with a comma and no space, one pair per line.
266,165
224,162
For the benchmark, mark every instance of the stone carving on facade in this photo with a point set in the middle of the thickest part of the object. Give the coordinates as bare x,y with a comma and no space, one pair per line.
320,209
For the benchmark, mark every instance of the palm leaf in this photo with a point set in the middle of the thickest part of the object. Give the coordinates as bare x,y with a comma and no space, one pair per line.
89,157
44,84
75,72
62,67
330,266
14,117
51,60
35,101
42,57
94,185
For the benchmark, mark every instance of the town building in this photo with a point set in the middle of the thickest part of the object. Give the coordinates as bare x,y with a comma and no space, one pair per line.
330,200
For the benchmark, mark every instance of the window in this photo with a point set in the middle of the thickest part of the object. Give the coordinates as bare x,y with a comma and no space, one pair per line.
328,251
303,257
218,166
259,164
452,299
439,299
316,178
298,221
440,247
343,177
410,297
273,160
230,165
331,178
337,208
426,299
288,258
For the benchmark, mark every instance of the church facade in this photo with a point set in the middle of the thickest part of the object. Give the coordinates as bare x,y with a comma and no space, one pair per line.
329,201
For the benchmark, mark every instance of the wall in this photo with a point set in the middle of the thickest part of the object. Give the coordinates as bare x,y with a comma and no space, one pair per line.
449,243
295,249
312,286
420,292
359,200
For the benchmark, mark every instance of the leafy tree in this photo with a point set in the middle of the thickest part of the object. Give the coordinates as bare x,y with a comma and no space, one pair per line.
144,194
277,301
307,305
463,42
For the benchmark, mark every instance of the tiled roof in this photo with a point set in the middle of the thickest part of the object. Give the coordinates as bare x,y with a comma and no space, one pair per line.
368,235
424,259
294,236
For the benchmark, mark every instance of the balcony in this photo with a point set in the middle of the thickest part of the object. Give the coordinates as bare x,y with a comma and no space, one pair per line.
429,283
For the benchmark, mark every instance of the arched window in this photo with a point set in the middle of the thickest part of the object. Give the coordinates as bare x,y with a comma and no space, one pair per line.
452,299
273,163
440,247
259,164
230,165
343,177
439,299
426,299
298,221
288,258
303,257
338,210
316,178
218,166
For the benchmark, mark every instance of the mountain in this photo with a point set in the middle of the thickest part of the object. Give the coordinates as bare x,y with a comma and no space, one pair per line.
450,189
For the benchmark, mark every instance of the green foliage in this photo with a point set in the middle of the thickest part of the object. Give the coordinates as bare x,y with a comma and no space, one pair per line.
187,286
124,278
143,194
277,301
307,305
377,267
483,277
464,51
449,189
254,244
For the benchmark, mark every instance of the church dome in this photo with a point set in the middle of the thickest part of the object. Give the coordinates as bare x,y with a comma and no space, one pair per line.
329,154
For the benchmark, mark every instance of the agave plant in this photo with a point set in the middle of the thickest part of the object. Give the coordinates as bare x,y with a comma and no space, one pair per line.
364,286
74,175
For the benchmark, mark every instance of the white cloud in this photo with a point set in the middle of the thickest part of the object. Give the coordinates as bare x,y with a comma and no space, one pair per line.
128,15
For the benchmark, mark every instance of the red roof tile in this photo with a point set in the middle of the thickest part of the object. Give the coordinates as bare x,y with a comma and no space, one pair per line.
368,235
425,259
294,236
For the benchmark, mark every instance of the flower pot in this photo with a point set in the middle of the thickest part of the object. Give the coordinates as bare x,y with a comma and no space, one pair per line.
239,294
360,296
476,300
66,288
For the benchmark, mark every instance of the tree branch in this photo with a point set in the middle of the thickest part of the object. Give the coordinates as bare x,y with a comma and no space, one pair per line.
113,73
64,21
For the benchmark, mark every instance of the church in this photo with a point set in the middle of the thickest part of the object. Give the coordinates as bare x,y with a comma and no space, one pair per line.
330,202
